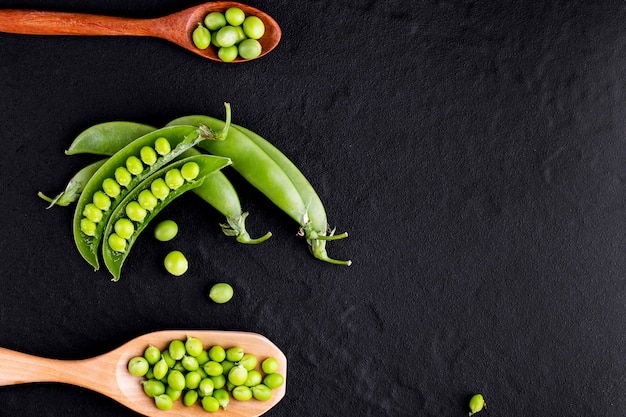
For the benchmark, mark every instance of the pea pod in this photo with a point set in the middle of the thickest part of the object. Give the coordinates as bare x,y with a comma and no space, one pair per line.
74,187
114,259
180,138
272,173
109,137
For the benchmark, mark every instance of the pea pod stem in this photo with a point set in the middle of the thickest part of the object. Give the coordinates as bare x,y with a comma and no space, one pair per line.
74,187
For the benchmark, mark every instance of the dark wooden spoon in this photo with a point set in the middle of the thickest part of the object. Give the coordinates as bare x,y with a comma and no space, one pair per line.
176,27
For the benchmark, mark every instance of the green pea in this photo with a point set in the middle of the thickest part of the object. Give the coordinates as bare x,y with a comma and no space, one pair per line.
234,354
134,165
190,398
174,179
138,366
261,393
210,404
254,378
135,212
227,366
176,263
122,176
241,35
172,393
176,348
221,293
170,362
248,361
235,16
273,380
238,375
206,387
227,54
163,402
117,243
269,365
218,381
160,189
101,200
203,357
476,404
147,200
148,155
166,231
92,213
189,363
190,171
152,354
201,37
227,36
214,20
124,228
176,380
153,387
217,353
241,393
249,49
193,345
111,187
88,227
253,27
192,379
222,397
160,369
213,368
162,146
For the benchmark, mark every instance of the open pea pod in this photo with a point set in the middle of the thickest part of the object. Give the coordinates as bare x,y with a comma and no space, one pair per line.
272,173
115,257
88,233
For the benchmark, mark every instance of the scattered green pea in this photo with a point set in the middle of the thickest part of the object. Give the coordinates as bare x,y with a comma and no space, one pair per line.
201,37
163,402
238,375
269,365
174,179
122,176
248,361
166,230
221,293
124,228
206,387
176,349
254,378
241,393
213,368
160,369
249,49
135,212
117,243
476,404
210,404
148,155
190,398
192,379
218,381
193,345
222,397
227,53
234,354
227,36
111,187
172,393
217,353
273,380
153,387
176,263
176,379
261,392
189,363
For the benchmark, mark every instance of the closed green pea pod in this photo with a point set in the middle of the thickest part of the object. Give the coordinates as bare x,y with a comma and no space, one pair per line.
181,138
272,173
113,259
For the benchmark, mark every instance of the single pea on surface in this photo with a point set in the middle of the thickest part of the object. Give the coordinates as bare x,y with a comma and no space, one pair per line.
221,293
166,230
176,263
476,404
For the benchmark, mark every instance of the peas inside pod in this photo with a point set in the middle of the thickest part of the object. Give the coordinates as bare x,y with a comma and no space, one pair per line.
204,376
232,33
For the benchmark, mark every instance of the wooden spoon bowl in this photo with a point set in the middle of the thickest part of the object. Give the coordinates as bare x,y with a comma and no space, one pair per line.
108,373
176,27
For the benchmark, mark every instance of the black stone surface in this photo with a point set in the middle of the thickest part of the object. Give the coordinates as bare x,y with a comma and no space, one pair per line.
474,151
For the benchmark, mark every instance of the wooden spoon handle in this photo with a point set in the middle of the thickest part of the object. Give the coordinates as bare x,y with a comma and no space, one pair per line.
34,22
22,368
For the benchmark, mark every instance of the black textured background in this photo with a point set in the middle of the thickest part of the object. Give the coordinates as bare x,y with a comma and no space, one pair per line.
474,150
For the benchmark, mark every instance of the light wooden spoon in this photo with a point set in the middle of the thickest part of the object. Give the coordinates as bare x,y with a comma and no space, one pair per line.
176,27
108,373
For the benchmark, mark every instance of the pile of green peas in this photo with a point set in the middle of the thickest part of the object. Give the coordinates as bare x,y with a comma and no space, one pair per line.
111,188
148,200
188,371
233,34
